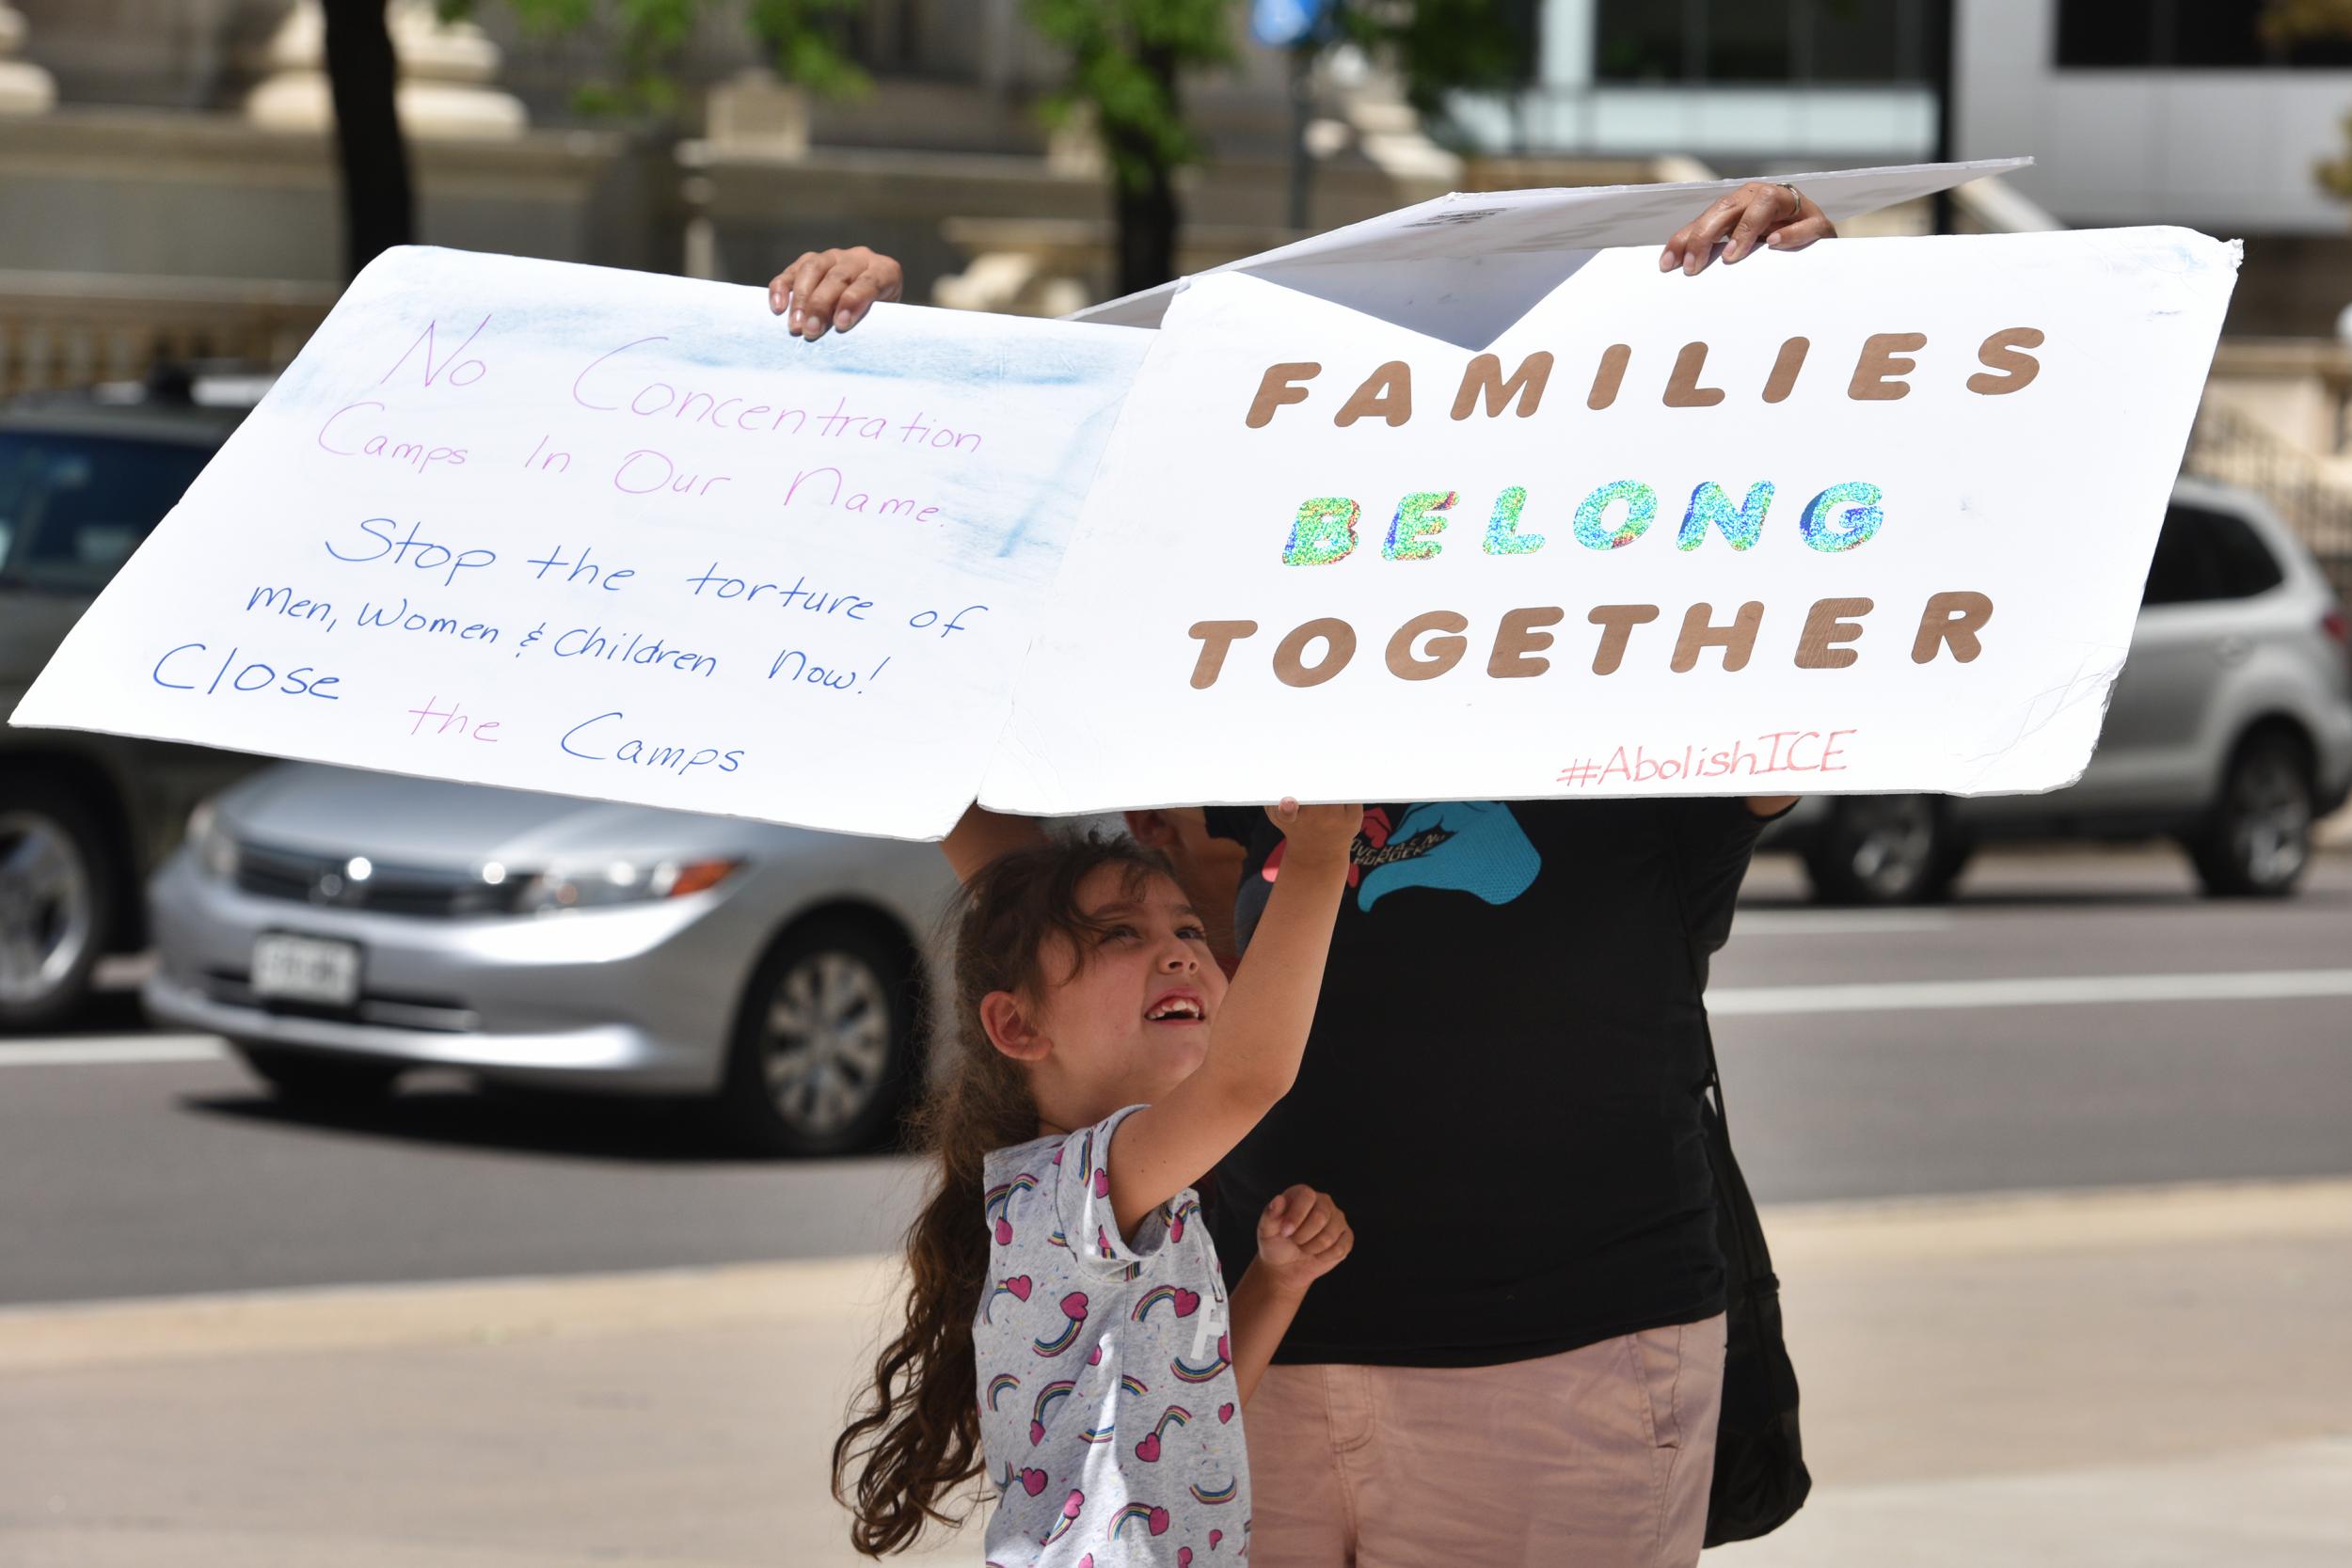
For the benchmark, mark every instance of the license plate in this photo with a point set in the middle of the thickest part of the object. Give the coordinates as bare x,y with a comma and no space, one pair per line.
306,969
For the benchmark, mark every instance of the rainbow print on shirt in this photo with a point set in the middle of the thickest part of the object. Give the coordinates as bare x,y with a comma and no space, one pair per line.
993,1204
1184,1302
1153,1520
1073,1306
1186,1373
1048,1399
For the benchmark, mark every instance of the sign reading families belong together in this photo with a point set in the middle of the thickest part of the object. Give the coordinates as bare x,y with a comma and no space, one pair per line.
1874,516
1871,517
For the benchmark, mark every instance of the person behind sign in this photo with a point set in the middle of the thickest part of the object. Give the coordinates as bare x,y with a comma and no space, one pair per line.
1503,1081
1067,1328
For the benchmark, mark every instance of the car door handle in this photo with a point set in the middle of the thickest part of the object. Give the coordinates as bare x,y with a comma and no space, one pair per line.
2232,650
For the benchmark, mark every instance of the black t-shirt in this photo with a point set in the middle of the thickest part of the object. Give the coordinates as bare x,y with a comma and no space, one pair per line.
1502,1086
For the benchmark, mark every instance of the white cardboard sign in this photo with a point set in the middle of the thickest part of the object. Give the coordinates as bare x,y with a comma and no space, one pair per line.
618,535
1874,516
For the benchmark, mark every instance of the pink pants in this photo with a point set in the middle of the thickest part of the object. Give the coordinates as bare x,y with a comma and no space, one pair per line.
1597,1458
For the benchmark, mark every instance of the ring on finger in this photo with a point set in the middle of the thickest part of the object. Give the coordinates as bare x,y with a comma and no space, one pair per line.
1794,195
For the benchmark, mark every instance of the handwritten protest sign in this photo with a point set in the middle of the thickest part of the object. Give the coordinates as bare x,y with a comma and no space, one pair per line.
1871,517
617,535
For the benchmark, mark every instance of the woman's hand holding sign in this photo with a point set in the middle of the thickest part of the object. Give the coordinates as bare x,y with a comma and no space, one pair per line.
833,289
1759,212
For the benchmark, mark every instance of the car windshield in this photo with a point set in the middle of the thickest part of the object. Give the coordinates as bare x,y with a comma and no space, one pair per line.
72,508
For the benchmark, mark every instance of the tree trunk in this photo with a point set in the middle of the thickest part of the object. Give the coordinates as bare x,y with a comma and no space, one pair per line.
379,209
1148,219
1147,214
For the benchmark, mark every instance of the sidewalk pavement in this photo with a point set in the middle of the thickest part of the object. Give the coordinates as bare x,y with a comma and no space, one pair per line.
2148,1377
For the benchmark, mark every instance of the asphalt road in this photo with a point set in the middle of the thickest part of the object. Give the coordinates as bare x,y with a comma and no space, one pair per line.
2074,1020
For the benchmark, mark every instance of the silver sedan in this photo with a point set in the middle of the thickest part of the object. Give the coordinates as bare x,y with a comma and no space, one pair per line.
341,926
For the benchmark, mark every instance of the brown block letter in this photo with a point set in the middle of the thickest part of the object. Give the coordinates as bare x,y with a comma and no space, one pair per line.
1387,391
2000,353
1519,641
1217,638
1616,623
1483,376
1737,641
1290,664
1440,655
1282,384
1830,622
1882,359
1682,389
1953,618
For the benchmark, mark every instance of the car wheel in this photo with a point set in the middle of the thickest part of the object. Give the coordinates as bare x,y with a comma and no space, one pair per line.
57,882
1885,849
318,1077
2258,841
824,1045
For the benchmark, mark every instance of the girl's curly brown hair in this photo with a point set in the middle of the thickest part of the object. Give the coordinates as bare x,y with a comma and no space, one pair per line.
914,1436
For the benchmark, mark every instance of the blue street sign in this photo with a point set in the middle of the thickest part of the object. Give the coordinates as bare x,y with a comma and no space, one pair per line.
1280,23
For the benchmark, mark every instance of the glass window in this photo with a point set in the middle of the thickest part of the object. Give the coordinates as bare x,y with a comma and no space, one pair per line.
2202,555
1643,40
1749,41
2184,35
1759,40
72,508
2094,33
1860,41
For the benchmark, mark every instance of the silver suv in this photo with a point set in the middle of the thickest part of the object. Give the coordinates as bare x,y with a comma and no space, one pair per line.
2230,729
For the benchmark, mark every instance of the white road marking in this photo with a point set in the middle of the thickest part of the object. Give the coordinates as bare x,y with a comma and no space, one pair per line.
2052,990
1836,923
112,1049
2040,992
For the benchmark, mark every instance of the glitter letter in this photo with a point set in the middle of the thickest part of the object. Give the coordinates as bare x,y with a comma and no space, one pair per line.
1708,505
1324,532
1502,529
1412,530
1855,525
1641,506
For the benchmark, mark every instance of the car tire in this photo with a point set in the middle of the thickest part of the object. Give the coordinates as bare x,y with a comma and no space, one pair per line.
2257,841
319,1078
59,875
1881,849
825,1050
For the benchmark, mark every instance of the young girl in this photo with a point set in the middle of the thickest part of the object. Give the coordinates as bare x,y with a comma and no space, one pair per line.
1067,1331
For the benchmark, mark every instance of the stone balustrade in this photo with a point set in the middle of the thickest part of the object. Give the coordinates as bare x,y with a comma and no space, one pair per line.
71,329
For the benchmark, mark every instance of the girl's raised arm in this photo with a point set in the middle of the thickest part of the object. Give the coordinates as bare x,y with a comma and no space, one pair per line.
981,837
1258,1035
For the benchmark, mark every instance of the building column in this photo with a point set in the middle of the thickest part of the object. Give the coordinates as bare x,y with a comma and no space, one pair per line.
446,75
25,87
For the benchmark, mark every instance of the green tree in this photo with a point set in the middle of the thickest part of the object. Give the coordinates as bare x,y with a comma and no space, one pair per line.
1126,57
1444,46
803,37
2285,23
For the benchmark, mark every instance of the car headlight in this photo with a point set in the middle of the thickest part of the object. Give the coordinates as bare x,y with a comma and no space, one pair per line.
620,882
211,843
